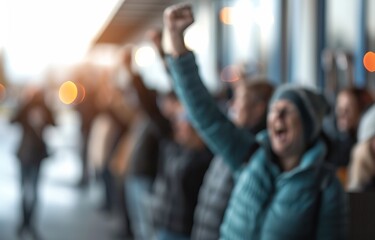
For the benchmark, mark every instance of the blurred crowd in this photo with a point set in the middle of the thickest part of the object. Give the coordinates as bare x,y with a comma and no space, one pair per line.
254,161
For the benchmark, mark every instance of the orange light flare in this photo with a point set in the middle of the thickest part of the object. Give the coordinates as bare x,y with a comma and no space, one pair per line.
226,15
230,74
81,94
2,92
68,92
369,61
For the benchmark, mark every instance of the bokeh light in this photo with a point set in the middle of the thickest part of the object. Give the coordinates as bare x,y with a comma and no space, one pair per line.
68,92
226,15
145,56
369,61
192,40
81,94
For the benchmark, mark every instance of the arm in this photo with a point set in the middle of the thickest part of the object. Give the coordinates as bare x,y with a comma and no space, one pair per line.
219,133
358,176
148,102
147,98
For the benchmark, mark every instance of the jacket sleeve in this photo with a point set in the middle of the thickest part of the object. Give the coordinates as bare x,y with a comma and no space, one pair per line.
333,215
219,133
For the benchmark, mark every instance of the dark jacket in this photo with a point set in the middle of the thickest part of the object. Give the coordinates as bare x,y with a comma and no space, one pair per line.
33,117
214,197
176,187
180,170
340,144
266,203
213,200
144,160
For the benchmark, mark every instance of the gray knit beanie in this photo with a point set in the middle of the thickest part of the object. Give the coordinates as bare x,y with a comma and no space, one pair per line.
366,129
312,107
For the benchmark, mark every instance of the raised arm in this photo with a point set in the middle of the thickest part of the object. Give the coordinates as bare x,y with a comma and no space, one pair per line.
147,98
220,134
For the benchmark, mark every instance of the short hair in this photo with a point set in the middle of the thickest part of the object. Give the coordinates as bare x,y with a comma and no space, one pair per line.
260,87
362,96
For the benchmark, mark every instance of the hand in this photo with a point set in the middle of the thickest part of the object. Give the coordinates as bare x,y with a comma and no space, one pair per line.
176,19
155,36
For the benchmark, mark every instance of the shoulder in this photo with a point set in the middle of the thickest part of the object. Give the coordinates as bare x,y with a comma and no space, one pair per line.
360,150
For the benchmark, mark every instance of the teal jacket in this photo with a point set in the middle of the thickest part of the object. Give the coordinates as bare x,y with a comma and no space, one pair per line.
307,202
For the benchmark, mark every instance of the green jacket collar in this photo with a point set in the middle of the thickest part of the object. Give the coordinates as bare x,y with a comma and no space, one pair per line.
312,158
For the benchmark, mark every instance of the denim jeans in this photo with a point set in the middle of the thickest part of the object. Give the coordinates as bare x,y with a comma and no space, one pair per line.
137,194
29,189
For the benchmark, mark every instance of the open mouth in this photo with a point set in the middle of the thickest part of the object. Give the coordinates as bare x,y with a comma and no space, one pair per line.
281,133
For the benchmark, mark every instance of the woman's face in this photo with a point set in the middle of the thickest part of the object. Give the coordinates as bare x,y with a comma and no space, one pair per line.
347,112
247,110
285,129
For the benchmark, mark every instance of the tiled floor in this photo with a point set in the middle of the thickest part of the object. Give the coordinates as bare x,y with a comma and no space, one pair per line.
65,212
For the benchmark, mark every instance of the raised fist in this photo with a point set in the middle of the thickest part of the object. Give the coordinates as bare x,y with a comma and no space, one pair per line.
178,17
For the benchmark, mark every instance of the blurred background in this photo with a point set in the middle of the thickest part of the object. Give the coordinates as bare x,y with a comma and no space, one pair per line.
71,52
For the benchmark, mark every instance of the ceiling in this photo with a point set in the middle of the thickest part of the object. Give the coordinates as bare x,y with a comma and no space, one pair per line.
131,19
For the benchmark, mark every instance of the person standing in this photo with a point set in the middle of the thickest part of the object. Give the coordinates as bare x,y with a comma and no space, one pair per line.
286,190
33,116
